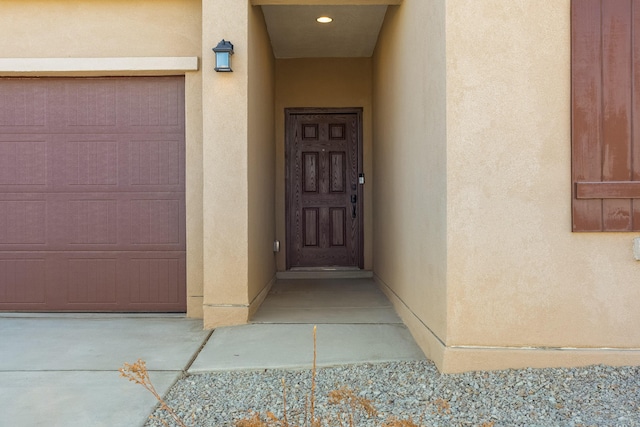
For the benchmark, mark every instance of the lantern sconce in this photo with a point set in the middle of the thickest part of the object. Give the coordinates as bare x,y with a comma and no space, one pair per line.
223,52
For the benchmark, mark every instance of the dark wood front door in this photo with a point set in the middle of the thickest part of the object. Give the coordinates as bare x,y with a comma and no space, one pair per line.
324,197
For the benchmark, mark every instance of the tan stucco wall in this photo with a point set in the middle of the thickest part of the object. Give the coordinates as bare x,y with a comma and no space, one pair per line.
99,28
238,164
472,213
323,82
517,276
261,159
409,155
65,30
225,166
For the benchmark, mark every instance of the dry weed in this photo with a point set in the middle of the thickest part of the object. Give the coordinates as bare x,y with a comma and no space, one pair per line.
351,404
137,373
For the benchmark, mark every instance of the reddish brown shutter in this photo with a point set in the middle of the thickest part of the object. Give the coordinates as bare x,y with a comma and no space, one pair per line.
605,72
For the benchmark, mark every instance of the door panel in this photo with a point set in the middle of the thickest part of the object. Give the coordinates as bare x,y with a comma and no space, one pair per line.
324,199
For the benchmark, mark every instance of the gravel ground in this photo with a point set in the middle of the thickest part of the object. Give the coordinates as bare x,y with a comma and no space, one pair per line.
590,396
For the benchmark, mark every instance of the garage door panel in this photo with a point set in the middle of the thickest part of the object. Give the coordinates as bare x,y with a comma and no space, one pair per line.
23,280
92,280
89,163
85,162
23,163
154,106
23,222
118,222
92,221
155,222
151,279
92,201
121,105
157,163
24,107
89,107
126,163
96,281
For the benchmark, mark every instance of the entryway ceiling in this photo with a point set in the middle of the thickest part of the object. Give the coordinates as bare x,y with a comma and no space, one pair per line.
295,33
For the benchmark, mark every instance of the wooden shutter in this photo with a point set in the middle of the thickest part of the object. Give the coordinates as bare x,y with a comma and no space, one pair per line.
605,69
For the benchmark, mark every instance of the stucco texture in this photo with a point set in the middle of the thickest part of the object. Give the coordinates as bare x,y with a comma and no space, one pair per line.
225,231
101,28
238,159
410,168
261,157
517,275
472,203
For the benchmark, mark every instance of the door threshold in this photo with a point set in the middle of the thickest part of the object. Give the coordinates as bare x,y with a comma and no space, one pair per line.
325,273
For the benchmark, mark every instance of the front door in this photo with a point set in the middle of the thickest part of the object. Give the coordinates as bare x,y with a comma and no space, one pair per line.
324,196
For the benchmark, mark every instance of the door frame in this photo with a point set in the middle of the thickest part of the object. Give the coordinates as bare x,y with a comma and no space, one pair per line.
288,132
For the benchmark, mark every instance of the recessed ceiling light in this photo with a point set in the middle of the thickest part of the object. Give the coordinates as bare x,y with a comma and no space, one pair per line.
324,19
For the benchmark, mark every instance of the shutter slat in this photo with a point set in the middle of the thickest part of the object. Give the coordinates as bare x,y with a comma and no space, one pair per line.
586,108
608,190
616,97
635,147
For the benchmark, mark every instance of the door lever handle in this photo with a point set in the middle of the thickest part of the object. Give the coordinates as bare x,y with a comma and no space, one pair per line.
354,200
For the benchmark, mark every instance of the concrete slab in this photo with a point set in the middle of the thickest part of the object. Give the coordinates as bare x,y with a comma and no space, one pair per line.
318,316
368,298
319,301
97,343
77,399
325,285
62,370
268,346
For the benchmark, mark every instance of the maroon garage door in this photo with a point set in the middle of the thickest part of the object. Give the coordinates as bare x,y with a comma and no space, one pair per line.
92,202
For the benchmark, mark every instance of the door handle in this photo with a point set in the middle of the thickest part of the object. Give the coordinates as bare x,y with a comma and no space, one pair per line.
354,200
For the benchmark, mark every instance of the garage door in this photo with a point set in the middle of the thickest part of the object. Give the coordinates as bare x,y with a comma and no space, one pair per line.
92,201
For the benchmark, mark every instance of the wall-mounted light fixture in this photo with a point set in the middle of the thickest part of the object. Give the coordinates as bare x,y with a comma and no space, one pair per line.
223,51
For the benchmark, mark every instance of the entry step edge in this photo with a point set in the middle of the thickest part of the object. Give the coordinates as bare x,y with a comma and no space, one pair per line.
324,274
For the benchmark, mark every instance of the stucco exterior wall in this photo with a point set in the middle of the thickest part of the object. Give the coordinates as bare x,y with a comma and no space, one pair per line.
100,28
261,158
323,82
409,155
238,159
225,130
517,276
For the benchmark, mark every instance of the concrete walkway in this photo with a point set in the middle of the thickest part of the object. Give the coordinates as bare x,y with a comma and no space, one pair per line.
61,370
355,324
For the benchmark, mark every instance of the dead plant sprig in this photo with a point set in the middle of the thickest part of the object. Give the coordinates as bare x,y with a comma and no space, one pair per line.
351,404
285,422
137,373
314,422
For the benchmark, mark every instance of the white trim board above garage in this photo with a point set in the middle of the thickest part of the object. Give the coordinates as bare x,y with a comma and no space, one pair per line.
111,66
